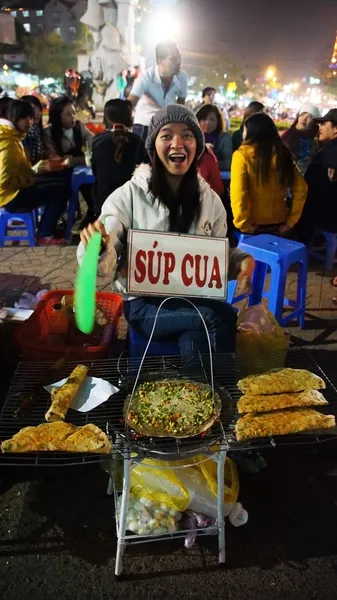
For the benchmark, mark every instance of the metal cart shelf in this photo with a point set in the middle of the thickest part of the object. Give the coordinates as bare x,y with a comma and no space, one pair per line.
128,447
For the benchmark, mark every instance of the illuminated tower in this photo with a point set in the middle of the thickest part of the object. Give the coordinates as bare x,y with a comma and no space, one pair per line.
332,70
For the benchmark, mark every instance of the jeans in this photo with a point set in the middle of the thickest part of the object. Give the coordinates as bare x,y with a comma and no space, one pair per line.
53,195
140,130
179,322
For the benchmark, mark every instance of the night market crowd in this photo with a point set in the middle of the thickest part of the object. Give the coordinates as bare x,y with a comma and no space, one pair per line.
285,185
160,166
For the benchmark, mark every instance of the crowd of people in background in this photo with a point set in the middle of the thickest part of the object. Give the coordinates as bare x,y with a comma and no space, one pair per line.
279,184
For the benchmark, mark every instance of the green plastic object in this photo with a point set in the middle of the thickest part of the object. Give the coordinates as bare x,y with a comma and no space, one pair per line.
85,285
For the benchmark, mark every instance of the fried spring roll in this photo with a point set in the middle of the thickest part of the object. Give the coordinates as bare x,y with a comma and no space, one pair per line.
63,397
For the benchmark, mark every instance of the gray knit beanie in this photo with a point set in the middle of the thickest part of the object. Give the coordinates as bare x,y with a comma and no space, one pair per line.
175,113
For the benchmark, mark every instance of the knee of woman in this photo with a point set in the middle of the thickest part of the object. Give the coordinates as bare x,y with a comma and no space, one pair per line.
224,313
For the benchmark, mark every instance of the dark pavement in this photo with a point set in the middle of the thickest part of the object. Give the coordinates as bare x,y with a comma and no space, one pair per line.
58,542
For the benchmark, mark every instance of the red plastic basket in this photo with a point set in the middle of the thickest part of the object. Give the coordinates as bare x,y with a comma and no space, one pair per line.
33,335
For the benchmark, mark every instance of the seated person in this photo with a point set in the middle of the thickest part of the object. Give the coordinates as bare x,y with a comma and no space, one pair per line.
116,152
20,188
262,173
171,196
320,211
212,125
209,169
65,137
253,108
33,141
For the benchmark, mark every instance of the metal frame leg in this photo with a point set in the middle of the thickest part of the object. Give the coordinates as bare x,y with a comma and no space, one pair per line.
118,448
122,517
221,505
110,487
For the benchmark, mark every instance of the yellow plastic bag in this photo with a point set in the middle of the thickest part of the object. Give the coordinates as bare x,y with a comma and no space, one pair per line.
182,488
261,343
155,480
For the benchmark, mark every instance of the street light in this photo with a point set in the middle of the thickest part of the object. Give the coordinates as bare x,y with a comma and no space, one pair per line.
163,25
270,73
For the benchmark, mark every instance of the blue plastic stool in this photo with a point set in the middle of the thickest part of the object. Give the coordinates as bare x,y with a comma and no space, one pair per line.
6,225
137,345
240,237
278,254
231,298
329,257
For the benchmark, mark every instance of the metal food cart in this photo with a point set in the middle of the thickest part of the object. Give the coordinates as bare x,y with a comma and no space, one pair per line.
128,448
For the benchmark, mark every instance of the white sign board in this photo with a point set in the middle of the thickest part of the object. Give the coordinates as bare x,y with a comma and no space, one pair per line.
170,264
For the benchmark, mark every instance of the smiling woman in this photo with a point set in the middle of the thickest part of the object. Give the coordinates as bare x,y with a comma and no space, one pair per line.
171,196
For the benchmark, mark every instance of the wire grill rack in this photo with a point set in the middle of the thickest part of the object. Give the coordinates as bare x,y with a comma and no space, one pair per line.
109,415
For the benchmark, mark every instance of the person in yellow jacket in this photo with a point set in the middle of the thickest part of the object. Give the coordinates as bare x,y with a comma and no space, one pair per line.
267,190
21,188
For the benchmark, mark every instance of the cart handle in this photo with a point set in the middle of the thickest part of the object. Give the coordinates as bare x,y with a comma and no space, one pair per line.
150,340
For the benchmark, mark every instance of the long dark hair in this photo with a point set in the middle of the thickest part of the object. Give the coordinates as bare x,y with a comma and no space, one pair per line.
263,135
206,110
34,101
117,116
250,110
5,104
56,109
19,109
184,207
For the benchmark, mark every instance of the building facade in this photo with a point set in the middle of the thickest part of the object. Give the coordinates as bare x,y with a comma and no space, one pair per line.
60,16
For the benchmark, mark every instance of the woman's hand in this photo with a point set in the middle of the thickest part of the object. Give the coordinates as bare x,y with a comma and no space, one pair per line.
87,233
332,174
245,275
283,230
42,166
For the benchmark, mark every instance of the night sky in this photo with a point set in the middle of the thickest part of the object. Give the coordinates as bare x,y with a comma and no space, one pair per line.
295,35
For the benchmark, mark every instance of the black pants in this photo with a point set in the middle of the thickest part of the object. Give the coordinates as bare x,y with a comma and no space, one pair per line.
86,191
52,194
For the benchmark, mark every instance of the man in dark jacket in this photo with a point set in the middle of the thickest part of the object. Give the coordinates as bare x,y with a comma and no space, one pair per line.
116,152
320,211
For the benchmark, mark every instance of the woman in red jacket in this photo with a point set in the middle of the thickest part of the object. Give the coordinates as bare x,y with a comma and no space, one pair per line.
209,170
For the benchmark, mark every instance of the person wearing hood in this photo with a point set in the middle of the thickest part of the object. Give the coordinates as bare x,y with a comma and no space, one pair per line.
301,137
20,190
262,173
170,196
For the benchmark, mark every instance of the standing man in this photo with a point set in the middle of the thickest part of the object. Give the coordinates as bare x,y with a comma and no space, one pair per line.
320,209
158,86
208,97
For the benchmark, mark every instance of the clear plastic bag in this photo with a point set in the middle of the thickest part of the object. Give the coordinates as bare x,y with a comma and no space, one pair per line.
192,487
145,517
261,343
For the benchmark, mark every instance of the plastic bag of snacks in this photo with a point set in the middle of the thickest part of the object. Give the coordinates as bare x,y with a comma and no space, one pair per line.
145,517
261,343
193,487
